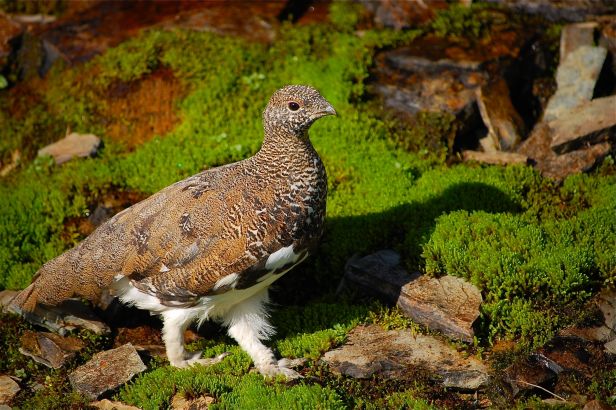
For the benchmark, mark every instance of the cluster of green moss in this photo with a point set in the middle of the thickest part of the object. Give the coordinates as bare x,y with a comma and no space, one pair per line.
537,251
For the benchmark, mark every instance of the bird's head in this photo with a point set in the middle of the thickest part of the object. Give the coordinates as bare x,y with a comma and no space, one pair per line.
294,108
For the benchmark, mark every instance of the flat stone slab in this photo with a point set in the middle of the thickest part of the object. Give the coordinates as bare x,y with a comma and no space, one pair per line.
495,158
583,124
505,126
106,371
538,148
71,146
49,349
447,304
370,350
69,315
8,389
576,77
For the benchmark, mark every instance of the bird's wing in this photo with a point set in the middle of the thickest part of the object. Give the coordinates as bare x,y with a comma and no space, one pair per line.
183,242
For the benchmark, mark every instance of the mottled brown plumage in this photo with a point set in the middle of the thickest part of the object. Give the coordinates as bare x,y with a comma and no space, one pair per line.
180,244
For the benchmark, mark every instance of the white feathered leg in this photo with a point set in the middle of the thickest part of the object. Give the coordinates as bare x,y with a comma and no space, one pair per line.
175,323
248,325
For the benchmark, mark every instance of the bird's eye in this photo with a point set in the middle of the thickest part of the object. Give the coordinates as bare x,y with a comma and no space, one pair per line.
293,106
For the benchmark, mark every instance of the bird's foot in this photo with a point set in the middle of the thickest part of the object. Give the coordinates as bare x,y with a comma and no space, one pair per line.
283,367
194,358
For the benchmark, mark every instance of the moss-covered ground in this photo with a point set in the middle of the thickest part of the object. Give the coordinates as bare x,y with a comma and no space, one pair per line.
537,250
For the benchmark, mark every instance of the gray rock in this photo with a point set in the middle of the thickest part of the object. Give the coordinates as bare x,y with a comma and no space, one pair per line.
585,123
505,126
8,389
106,371
447,304
576,77
49,349
370,350
70,315
73,145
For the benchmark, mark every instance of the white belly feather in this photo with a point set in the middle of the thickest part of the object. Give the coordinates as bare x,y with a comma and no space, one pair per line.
213,306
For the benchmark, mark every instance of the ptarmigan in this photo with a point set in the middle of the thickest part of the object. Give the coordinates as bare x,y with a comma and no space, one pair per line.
209,246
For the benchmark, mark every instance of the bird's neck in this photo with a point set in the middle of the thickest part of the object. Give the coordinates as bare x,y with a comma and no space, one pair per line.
288,150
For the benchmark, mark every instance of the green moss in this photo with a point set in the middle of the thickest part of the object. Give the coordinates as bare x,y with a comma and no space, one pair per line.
459,20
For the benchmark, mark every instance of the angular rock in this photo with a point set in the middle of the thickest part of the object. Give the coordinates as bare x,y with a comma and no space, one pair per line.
576,77
106,371
447,304
70,315
573,36
180,402
107,404
49,349
73,145
537,148
583,124
370,350
505,126
8,389
496,158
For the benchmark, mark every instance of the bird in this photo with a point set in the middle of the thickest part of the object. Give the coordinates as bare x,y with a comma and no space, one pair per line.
209,246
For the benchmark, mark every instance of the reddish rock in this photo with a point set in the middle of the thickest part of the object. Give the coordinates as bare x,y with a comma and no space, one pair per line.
50,349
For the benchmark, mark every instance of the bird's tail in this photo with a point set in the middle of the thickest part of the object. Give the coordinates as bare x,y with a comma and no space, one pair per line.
25,300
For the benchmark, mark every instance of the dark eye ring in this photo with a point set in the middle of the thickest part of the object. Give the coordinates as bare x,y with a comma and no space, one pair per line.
293,106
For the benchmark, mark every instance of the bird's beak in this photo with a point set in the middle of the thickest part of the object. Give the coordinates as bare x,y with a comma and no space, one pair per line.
326,110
